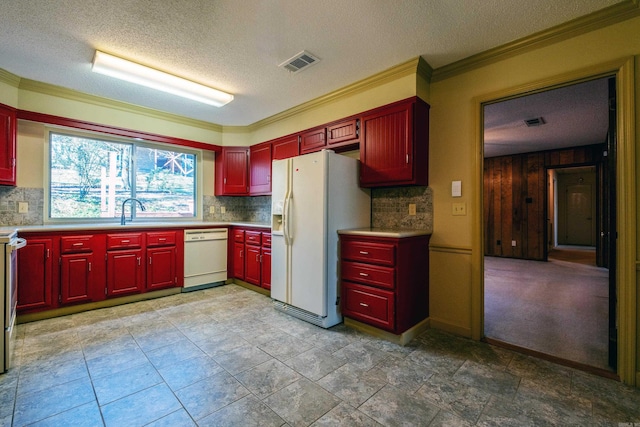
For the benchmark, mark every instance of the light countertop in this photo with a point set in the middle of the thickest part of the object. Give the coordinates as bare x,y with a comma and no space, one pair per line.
384,232
135,225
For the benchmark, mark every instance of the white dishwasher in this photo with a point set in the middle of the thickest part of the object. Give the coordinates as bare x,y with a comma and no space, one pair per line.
205,258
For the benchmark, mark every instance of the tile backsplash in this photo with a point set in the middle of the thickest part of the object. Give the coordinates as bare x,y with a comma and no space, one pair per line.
9,199
252,209
390,207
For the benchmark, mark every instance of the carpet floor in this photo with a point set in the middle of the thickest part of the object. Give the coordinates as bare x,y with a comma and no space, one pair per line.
559,308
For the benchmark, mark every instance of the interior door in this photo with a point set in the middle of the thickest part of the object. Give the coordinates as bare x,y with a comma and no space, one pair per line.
579,215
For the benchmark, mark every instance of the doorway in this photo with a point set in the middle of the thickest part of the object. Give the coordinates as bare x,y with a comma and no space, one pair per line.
544,298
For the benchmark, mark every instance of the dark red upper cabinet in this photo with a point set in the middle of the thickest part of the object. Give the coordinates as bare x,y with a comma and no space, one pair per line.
232,172
346,132
313,140
394,149
285,147
260,169
7,145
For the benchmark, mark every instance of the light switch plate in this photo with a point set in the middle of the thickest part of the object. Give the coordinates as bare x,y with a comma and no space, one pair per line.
412,208
456,188
212,209
223,209
23,207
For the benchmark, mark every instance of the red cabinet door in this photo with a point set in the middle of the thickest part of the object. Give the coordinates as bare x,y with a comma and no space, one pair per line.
238,260
35,275
125,272
394,149
76,277
7,145
260,169
386,152
266,268
285,147
232,172
313,140
347,131
161,267
252,264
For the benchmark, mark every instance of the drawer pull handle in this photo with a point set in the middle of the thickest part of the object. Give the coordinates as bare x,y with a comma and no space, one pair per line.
125,241
364,253
364,274
364,305
78,244
162,239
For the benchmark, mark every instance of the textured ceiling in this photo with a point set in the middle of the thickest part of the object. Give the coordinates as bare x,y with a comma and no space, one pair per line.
236,45
574,115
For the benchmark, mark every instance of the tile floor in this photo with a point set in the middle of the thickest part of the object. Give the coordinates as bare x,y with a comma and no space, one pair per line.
223,356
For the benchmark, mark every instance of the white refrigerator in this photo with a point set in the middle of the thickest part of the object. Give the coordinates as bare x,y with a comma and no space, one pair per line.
313,196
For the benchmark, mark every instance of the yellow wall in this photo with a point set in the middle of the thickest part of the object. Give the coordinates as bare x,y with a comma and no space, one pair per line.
8,91
454,147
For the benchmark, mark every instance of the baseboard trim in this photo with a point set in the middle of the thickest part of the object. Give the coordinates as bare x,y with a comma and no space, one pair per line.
64,311
576,365
249,286
401,339
443,325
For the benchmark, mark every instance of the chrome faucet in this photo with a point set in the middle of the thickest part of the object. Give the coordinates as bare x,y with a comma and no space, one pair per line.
123,220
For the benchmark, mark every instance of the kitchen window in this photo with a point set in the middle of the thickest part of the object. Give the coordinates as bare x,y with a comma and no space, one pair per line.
90,177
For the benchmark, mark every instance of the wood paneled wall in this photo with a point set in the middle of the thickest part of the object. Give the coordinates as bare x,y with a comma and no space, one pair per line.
514,188
514,199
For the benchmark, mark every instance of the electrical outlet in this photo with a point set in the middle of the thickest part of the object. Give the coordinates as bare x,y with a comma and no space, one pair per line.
223,209
412,208
459,209
212,209
513,243
23,207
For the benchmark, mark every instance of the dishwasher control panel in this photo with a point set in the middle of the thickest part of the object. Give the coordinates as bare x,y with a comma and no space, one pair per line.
206,234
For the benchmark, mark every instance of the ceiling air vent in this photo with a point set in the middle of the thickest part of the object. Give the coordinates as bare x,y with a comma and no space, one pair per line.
538,121
301,61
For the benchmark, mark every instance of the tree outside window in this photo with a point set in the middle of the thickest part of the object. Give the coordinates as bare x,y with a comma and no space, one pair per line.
90,178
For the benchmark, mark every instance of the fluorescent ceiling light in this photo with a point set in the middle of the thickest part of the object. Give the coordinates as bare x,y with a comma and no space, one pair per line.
119,68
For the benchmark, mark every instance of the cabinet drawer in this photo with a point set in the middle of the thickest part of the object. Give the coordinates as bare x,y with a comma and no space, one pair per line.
375,275
252,237
161,238
238,236
377,253
76,244
266,239
122,241
369,305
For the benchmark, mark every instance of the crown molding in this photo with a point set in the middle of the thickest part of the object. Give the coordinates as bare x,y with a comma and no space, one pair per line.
424,69
9,78
406,68
61,92
611,15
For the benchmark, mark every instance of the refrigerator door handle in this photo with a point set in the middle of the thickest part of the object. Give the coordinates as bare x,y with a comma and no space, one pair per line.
285,220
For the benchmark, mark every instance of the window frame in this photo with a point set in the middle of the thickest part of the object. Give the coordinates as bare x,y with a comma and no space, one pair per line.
134,142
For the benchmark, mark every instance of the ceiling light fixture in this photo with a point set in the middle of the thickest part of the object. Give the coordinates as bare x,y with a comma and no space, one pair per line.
119,68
